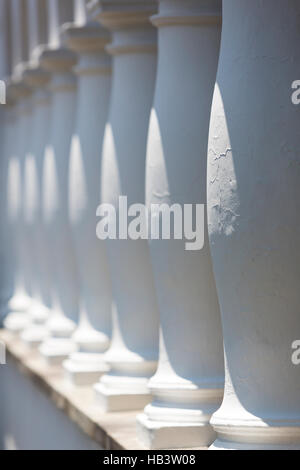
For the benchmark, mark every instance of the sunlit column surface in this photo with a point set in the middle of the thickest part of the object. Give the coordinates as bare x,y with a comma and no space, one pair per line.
133,353
254,222
40,252
8,139
6,124
37,79
92,336
5,43
19,36
188,385
59,60
21,301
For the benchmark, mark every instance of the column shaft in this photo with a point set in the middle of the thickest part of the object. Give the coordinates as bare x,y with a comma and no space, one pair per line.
6,113
21,300
133,353
94,80
188,385
254,223
59,61
33,202
35,77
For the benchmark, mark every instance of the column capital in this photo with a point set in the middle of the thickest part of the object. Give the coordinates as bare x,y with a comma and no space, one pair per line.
116,14
18,89
130,23
58,60
36,77
56,57
89,41
10,97
28,20
21,96
176,13
85,38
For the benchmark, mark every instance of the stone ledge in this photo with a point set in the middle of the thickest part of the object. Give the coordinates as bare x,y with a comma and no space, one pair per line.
112,431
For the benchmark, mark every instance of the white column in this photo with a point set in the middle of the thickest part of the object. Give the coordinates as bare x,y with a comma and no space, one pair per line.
6,123
19,36
64,296
59,12
81,13
37,30
5,46
37,79
188,385
21,300
8,136
254,223
40,310
93,334
133,353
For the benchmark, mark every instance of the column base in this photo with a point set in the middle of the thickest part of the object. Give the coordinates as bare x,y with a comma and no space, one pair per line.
39,314
15,322
56,350
179,415
122,393
225,445
125,387
19,303
34,335
90,340
60,326
255,433
84,369
170,435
